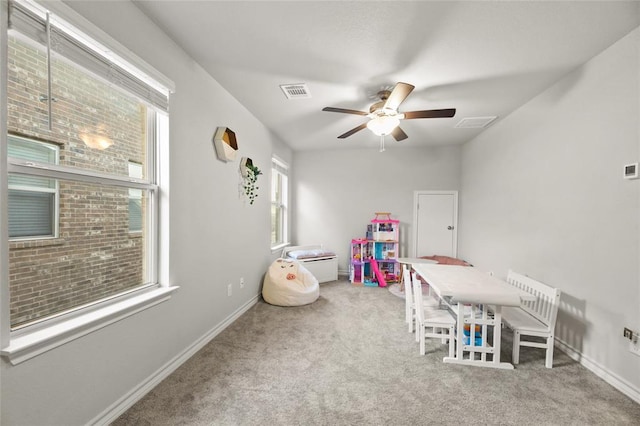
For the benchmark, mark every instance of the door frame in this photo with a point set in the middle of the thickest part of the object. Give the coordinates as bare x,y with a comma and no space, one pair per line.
416,195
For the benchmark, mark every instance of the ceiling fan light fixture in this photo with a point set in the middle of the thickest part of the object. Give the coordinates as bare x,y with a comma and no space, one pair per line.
383,125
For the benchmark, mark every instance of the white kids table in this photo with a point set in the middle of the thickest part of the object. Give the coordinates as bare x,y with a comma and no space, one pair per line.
477,299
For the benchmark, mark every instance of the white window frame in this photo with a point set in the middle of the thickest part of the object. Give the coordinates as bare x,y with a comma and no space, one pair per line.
24,344
280,167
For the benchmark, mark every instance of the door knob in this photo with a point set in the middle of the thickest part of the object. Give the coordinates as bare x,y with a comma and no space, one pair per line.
450,227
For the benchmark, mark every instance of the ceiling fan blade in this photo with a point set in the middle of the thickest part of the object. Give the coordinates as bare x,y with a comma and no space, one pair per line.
343,110
352,131
399,134
430,113
398,95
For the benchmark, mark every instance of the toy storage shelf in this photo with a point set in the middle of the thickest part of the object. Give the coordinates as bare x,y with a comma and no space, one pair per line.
374,259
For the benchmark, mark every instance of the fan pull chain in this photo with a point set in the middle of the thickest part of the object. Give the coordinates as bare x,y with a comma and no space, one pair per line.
382,143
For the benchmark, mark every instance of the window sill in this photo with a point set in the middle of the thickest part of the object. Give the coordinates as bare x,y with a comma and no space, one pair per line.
35,243
279,247
30,344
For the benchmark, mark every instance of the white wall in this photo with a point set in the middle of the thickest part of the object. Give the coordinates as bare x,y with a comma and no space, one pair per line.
215,239
543,194
336,193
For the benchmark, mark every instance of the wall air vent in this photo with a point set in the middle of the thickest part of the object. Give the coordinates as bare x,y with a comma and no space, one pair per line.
475,122
296,91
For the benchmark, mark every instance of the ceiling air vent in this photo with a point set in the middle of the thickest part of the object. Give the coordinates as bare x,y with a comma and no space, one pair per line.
296,91
475,122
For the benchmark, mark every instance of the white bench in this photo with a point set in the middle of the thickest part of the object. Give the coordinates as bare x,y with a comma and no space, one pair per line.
534,318
323,264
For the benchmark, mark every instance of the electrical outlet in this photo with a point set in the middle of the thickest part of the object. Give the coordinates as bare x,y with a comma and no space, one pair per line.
229,287
634,343
241,282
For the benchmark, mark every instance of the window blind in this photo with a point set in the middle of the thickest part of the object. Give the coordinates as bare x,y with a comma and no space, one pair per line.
34,26
135,215
33,151
30,213
29,150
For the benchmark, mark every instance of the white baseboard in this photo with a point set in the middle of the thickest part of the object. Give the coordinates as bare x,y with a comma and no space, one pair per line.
613,379
123,404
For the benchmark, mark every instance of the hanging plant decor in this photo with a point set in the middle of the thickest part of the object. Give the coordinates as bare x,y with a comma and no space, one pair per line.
250,175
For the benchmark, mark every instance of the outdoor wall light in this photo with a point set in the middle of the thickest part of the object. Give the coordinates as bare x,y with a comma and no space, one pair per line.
97,140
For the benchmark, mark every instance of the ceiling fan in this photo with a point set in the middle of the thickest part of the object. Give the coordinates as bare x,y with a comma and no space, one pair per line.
384,115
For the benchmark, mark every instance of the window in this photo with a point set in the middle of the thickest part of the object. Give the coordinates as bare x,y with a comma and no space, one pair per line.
85,130
279,203
33,201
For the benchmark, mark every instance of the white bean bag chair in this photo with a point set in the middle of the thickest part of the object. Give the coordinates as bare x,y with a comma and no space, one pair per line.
288,283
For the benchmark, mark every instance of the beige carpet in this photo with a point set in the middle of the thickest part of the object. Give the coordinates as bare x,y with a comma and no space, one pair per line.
348,360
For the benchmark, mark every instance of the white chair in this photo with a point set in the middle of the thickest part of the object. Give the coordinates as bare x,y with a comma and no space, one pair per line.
409,302
431,321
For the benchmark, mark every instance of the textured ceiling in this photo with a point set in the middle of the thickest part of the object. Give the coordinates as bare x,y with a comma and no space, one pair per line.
483,58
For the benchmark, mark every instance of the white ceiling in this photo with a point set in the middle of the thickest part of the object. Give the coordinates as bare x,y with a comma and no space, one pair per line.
483,58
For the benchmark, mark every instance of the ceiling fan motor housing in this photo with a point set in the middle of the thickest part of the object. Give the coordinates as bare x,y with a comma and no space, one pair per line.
383,95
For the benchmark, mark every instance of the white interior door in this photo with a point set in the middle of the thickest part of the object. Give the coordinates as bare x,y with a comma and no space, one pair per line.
435,223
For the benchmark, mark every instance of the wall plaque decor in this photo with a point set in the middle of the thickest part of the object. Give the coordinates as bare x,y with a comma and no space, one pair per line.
226,144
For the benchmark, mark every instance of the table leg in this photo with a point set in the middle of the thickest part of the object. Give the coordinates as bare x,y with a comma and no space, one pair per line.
460,332
497,333
484,331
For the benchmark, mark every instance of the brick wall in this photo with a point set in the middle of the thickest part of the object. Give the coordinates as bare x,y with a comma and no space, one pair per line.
94,255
